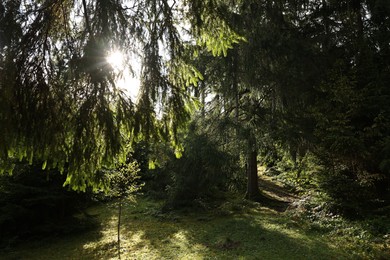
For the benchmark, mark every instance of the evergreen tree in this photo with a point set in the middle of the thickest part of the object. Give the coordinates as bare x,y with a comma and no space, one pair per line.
60,103
312,74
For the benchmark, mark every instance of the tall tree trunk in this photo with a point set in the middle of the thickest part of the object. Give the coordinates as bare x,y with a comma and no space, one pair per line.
234,75
252,192
326,21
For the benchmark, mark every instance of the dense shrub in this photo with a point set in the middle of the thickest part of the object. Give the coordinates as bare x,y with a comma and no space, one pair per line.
155,168
352,195
201,173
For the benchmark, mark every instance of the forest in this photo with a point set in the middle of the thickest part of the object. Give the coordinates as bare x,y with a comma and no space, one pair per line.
195,129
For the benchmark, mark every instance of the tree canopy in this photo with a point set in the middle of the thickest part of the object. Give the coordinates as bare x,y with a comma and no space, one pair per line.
60,103
308,75
311,76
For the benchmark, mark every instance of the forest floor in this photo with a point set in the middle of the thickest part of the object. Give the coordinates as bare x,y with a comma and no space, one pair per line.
235,229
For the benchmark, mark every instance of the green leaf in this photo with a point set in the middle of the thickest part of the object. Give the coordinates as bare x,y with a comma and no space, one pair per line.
152,165
30,158
44,165
178,153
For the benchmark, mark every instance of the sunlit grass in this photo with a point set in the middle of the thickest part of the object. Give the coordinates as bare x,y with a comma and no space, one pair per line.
247,231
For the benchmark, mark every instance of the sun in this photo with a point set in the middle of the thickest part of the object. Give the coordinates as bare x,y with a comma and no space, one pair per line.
116,60
129,82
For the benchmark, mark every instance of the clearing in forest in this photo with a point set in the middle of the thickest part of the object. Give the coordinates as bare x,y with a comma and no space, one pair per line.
235,229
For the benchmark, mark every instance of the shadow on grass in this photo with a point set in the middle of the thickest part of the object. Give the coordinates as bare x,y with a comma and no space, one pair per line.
201,236
54,245
148,234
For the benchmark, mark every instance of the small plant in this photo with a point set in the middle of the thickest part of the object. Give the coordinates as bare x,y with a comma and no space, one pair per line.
121,184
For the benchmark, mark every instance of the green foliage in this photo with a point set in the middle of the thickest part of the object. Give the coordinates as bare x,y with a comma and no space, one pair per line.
211,27
306,90
59,101
123,181
351,131
351,196
202,172
221,44
315,209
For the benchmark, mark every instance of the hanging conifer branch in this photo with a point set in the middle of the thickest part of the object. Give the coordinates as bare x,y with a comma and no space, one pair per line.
60,103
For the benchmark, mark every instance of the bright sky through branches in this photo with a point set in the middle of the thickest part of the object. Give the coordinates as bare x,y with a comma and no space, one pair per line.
127,82
115,59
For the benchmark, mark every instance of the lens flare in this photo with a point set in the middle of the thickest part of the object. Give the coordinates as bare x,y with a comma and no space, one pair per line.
115,59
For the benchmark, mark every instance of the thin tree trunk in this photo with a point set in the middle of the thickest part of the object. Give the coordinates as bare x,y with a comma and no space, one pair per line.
119,227
325,18
252,192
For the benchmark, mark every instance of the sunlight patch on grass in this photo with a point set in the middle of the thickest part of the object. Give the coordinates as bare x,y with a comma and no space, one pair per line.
186,248
136,238
252,232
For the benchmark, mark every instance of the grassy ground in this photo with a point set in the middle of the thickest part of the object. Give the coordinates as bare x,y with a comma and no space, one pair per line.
235,230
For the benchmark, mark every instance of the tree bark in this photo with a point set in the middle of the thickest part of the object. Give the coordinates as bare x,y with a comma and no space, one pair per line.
252,192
